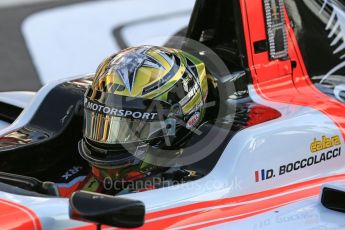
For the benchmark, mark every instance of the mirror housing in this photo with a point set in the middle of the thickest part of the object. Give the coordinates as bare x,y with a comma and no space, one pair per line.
333,197
29,183
107,210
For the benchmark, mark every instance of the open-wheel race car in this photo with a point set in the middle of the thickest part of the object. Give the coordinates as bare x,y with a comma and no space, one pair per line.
271,159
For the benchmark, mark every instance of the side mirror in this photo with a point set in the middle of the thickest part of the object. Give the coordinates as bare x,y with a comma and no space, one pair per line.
29,183
107,210
333,197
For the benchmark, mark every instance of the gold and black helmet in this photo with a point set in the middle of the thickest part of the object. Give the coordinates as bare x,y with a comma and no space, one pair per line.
142,96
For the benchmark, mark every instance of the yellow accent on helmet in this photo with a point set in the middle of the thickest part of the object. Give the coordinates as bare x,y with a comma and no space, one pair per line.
152,78
142,95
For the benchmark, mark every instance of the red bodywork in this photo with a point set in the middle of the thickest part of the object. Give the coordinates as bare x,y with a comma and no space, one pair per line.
277,81
16,216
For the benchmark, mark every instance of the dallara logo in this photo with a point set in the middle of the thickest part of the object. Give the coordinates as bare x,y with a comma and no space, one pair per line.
323,150
324,143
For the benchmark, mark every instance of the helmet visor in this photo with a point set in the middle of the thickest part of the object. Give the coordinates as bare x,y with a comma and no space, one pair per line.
108,129
113,119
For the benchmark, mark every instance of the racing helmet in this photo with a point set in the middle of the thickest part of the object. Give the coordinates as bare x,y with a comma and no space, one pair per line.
139,97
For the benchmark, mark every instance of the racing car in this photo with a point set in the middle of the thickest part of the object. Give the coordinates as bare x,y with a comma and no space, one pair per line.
273,160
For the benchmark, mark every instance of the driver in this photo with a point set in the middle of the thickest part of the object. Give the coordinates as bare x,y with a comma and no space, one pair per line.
142,108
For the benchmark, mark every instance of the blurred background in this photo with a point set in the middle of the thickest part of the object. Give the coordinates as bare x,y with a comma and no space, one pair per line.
46,40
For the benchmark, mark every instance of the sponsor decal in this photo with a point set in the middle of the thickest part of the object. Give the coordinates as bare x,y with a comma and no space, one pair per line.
306,162
329,148
119,112
193,120
71,172
324,143
264,175
193,91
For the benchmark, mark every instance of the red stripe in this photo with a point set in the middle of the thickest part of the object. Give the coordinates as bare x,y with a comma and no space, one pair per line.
241,207
67,191
274,81
246,198
213,212
16,216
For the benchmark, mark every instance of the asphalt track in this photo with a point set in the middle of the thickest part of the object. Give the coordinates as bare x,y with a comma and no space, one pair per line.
17,71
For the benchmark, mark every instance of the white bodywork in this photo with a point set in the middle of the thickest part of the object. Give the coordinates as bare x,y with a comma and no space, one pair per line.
265,146
4,124
20,99
305,214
